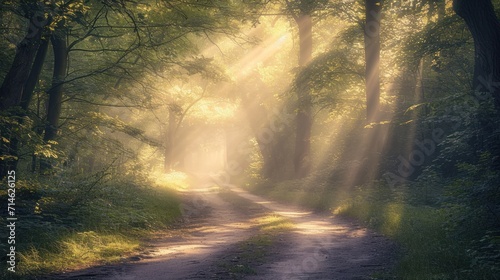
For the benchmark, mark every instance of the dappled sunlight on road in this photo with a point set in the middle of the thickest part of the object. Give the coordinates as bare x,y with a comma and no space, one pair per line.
323,246
317,227
292,214
171,250
204,190
312,245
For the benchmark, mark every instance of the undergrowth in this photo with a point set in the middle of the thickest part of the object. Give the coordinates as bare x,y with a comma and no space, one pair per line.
443,230
68,222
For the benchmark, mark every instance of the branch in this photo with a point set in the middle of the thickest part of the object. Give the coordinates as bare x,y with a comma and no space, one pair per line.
76,99
189,107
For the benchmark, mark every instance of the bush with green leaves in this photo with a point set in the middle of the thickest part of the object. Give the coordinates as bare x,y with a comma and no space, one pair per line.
111,212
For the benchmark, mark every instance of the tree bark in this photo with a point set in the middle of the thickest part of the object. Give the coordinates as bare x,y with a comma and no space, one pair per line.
13,84
170,139
56,90
12,88
36,69
373,10
27,93
441,7
59,47
480,17
302,159
258,118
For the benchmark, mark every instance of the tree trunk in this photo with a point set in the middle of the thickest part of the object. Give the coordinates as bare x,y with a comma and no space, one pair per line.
27,94
372,58
170,139
13,84
12,87
441,7
55,92
480,17
32,80
302,160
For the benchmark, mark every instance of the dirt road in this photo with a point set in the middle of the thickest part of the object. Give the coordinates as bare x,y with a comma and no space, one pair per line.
318,247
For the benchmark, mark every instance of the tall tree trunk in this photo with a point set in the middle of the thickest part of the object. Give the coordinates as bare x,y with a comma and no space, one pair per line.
13,84
59,47
12,87
27,94
34,75
441,7
373,10
302,159
259,123
29,89
480,17
170,139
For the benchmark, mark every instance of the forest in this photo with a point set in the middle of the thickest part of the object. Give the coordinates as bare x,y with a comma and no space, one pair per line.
250,139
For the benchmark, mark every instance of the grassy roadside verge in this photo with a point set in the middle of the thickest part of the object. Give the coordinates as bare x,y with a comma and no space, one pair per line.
435,242
256,250
65,226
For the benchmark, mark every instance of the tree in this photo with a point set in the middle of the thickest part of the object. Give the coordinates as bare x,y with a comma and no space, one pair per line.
480,17
302,11
55,93
20,77
484,26
373,10
13,83
176,115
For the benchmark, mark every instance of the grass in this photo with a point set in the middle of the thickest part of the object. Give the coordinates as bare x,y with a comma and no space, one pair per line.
273,224
431,247
79,249
427,250
255,250
75,225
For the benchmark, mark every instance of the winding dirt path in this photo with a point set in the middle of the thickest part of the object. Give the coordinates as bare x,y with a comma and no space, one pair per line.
319,247
325,247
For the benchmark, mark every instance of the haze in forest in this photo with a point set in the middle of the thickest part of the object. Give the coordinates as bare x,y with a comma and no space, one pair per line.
386,112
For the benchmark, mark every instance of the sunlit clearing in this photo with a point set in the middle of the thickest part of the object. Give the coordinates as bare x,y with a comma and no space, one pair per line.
175,180
177,249
292,214
274,223
318,227
79,248
225,228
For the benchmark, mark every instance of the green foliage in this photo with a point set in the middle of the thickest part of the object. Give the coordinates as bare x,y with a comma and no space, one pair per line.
73,220
306,7
17,128
447,227
331,78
